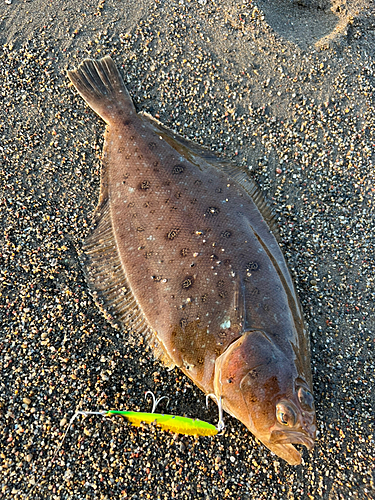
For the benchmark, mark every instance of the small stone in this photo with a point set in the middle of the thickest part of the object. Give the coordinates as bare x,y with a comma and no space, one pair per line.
182,447
63,422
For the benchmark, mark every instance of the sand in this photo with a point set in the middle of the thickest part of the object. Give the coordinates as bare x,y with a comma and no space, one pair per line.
283,89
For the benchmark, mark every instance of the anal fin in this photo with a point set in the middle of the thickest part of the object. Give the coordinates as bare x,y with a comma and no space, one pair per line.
108,284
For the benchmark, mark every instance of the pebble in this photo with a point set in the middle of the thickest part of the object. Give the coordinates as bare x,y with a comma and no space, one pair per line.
302,122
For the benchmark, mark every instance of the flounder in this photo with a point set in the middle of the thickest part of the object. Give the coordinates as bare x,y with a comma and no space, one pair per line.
184,252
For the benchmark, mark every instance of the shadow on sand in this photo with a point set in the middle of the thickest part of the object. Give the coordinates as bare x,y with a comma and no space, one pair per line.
300,25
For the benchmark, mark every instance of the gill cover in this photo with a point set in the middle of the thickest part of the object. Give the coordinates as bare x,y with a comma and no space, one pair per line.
257,383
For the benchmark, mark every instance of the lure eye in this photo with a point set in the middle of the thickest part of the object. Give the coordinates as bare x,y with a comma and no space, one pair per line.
305,398
286,415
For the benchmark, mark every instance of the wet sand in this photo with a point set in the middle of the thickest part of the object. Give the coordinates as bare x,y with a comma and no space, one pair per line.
286,91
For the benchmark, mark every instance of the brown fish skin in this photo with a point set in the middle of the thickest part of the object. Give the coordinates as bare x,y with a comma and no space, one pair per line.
183,252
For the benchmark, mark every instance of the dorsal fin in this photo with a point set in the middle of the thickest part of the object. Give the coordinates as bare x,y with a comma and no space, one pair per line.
108,283
187,148
203,157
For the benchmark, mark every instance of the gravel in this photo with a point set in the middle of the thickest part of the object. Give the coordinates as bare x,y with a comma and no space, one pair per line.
298,111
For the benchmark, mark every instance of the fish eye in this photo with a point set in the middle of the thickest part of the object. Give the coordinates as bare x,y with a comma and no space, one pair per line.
286,415
305,398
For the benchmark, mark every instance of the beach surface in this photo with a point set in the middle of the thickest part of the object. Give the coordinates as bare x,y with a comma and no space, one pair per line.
284,89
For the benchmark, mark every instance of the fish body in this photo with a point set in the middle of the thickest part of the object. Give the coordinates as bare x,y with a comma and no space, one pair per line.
184,253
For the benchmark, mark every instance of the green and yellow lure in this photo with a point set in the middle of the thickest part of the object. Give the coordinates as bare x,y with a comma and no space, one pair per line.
174,423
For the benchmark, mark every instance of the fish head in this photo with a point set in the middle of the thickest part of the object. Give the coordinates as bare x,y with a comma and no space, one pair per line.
260,385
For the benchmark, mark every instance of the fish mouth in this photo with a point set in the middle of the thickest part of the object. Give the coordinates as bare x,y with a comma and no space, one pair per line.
291,437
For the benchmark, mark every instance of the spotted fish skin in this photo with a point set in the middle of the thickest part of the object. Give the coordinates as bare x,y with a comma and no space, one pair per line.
184,253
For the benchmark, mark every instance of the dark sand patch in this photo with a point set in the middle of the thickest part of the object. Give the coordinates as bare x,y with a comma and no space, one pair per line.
298,24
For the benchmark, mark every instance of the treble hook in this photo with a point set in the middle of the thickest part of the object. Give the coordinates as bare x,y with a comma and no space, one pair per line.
155,401
220,425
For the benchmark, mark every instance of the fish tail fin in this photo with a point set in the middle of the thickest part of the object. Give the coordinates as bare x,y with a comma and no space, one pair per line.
102,87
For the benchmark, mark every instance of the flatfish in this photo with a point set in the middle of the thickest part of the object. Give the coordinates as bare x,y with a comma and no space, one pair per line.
184,252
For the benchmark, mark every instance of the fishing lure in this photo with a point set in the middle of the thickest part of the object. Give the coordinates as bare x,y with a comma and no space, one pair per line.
174,423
